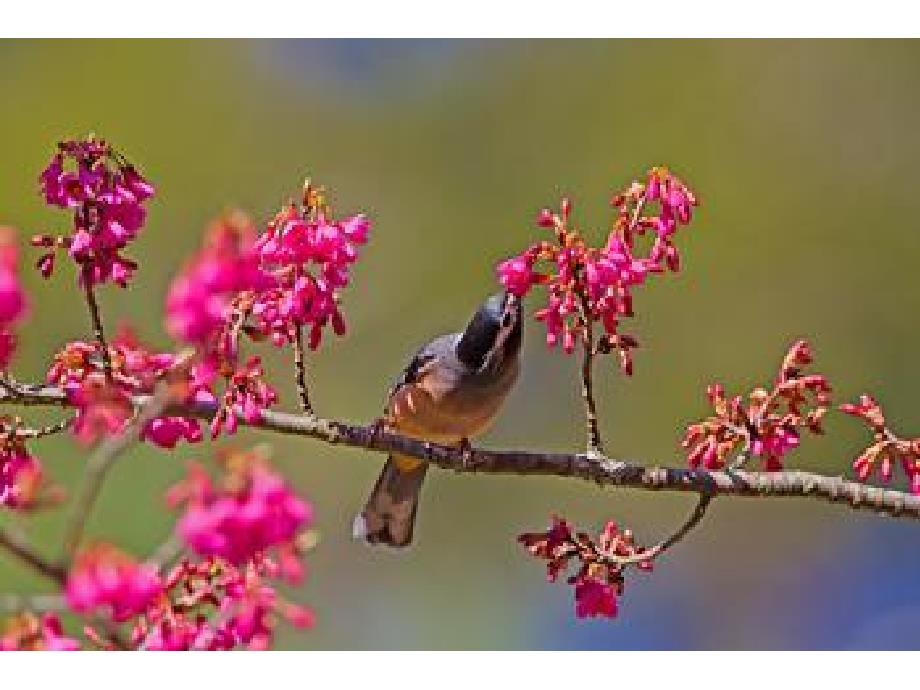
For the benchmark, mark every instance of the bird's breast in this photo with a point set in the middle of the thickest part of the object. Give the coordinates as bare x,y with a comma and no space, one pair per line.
445,406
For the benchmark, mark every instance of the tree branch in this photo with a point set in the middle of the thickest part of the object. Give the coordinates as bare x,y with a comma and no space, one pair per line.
603,471
26,553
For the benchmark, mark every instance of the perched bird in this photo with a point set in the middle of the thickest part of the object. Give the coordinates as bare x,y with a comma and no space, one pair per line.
450,392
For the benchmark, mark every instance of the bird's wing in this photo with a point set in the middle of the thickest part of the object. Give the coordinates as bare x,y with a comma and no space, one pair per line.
416,368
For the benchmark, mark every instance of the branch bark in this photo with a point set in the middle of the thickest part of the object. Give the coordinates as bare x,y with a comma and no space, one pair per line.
603,471
26,553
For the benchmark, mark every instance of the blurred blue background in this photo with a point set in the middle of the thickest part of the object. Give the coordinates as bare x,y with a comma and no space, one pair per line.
804,155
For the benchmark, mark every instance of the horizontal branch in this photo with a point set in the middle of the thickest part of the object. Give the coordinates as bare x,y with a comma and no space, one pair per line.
602,470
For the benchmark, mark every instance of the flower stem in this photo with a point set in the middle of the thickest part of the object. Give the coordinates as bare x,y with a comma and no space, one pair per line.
594,444
686,527
96,318
595,447
301,371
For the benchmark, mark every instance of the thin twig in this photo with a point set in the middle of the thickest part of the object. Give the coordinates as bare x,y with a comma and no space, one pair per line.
48,430
652,553
594,445
25,552
96,318
301,371
166,553
603,471
38,603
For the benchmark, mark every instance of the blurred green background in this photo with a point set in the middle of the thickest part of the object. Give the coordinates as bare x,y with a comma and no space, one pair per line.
804,155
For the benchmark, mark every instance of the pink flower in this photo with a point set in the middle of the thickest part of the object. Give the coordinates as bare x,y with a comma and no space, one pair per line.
594,598
887,449
308,254
105,578
104,407
517,275
20,475
28,633
13,304
199,301
166,432
106,195
253,511
246,394
773,446
213,605
769,425
12,297
586,284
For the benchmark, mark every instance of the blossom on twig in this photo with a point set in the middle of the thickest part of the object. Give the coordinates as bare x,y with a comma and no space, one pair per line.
587,284
769,425
106,195
887,449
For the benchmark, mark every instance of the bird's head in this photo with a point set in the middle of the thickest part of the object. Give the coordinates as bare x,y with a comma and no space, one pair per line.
493,335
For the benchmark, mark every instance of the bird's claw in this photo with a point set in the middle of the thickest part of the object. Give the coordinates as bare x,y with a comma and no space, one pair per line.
377,427
467,461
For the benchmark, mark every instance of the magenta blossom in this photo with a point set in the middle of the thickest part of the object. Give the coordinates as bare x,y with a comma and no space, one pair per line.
768,425
200,298
106,195
104,406
105,578
245,601
594,598
29,633
247,395
888,449
587,285
13,305
254,510
20,475
308,254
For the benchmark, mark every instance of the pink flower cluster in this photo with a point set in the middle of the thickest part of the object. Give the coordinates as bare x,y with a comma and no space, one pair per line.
267,287
20,472
200,301
287,278
27,632
104,406
887,449
246,393
12,296
247,532
769,426
106,195
213,605
600,579
107,579
251,511
586,284
308,254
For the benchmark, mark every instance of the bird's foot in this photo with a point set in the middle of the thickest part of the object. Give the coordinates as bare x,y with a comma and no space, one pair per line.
377,427
595,454
467,459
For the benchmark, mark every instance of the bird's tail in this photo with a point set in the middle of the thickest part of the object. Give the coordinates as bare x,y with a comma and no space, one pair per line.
389,515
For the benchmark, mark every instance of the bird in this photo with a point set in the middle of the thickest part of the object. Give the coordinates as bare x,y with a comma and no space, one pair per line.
450,392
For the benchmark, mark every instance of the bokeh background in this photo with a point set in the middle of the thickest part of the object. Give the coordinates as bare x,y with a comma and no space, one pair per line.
804,154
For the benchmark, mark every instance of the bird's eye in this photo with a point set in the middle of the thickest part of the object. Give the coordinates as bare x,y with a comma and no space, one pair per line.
506,321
